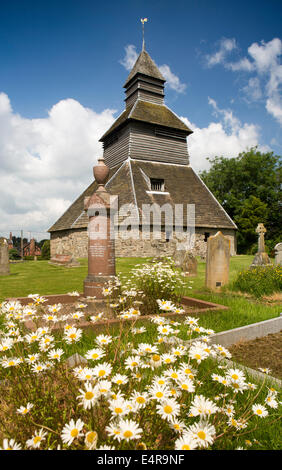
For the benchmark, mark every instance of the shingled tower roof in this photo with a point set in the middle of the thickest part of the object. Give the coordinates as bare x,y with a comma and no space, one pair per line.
144,65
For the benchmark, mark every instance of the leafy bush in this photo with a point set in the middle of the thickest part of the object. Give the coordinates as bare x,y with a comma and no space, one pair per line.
260,280
13,254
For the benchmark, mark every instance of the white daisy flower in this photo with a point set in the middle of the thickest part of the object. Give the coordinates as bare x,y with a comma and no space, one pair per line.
168,408
10,444
120,379
23,410
72,431
203,433
129,430
202,406
95,354
102,370
186,442
88,396
259,410
36,439
103,340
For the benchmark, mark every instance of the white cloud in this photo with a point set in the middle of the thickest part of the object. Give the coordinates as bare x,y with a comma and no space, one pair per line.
130,57
172,80
226,45
263,62
227,137
46,163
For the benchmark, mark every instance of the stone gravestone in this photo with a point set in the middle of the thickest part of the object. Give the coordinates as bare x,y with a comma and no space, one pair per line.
217,261
185,260
101,242
190,264
261,258
278,254
4,257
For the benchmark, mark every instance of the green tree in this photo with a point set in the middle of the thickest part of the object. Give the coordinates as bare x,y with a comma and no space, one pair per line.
45,250
249,188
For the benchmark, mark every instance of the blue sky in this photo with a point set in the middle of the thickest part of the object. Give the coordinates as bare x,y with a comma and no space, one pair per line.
63,66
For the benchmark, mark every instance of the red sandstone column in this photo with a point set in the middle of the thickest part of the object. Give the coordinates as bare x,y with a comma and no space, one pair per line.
101,243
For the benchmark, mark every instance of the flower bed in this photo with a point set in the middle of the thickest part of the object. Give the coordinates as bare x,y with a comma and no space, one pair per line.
131,391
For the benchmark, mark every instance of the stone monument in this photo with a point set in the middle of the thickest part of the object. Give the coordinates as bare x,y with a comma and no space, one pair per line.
101,242
4,257
261,258
278,254
217,261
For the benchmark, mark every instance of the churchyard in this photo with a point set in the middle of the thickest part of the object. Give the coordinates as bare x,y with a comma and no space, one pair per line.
113,352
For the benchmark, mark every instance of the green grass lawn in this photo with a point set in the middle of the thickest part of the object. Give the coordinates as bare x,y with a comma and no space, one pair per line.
43,278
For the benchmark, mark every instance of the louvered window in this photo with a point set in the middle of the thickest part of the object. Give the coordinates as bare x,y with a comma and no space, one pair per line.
157,184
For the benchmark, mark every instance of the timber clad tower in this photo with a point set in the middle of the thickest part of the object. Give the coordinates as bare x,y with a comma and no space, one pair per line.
146,150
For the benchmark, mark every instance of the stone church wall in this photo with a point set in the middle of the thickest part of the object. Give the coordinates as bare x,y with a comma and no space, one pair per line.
75,242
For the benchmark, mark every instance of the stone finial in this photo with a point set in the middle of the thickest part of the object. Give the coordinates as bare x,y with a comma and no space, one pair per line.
101,173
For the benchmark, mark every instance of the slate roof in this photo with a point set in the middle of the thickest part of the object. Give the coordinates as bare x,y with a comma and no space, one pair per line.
145,66
129,181
151,113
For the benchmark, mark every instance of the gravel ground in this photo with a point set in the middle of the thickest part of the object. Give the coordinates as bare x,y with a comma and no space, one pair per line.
260,352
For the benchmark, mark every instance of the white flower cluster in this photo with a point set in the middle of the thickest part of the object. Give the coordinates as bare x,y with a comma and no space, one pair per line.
137,387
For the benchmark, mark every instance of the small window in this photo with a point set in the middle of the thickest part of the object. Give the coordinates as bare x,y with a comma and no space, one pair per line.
207,234
157,184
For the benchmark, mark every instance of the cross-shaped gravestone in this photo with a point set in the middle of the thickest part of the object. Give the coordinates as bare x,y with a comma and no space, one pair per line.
261,258
261,231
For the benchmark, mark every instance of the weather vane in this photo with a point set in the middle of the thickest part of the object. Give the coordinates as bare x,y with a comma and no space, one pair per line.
143,20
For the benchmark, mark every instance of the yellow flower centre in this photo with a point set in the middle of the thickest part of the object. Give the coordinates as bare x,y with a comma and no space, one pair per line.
74,432
174,375
156,357
72,335
134,364
128,434
37,439
235,377
101,372
259,412
91,436
185,447
197,356
168,360
187,371
11,363
119,381
140,400
159,394
118,410
201,434
89,395
184,386
161,382
95,356
168,409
